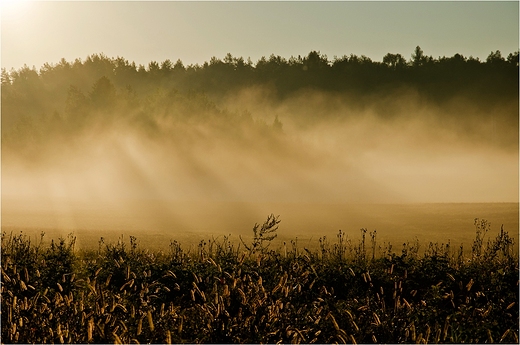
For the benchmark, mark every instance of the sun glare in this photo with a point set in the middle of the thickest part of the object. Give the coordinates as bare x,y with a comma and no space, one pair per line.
13,4
13,7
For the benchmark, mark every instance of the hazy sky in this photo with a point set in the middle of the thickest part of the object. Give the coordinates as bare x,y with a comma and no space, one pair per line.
37,32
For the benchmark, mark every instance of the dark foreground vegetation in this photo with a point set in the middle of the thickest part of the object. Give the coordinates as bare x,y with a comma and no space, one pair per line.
225,292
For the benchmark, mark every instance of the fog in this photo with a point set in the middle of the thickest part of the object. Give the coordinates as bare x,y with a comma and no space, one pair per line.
402,148
209,174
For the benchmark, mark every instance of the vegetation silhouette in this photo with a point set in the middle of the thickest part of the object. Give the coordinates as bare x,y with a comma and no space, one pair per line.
219,292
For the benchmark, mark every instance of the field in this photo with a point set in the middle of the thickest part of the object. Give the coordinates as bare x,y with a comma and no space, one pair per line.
222,291
156,223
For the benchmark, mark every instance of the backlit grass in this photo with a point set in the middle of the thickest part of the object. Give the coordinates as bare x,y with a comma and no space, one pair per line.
345,291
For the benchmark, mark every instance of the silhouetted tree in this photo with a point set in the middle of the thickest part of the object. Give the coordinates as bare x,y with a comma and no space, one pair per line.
277,124
512,58
315,61
76,104
103,94
166,65
495,58
5,78
179,66
418,58
394,60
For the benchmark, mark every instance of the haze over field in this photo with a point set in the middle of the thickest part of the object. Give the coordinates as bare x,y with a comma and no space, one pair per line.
418,154
103,143
135,160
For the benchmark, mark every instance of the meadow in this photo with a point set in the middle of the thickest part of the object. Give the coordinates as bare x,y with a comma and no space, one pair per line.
345,290
156,223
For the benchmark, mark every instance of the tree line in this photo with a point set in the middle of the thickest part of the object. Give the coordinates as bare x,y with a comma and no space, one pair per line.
70,93
438,78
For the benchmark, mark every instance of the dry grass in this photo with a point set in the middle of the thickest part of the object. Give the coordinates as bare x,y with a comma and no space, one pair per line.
344,292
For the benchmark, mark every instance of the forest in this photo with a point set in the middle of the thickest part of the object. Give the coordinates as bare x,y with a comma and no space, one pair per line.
439,78
60,99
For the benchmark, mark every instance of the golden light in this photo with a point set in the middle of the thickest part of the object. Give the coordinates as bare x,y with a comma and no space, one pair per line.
14,10
12,5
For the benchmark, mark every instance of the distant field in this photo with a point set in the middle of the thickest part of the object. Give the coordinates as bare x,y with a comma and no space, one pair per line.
155,224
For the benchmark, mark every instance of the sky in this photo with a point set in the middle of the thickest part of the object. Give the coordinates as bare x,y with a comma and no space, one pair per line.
34,33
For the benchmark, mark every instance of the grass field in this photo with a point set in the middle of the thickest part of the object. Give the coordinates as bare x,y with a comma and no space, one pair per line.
251,291
156,223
